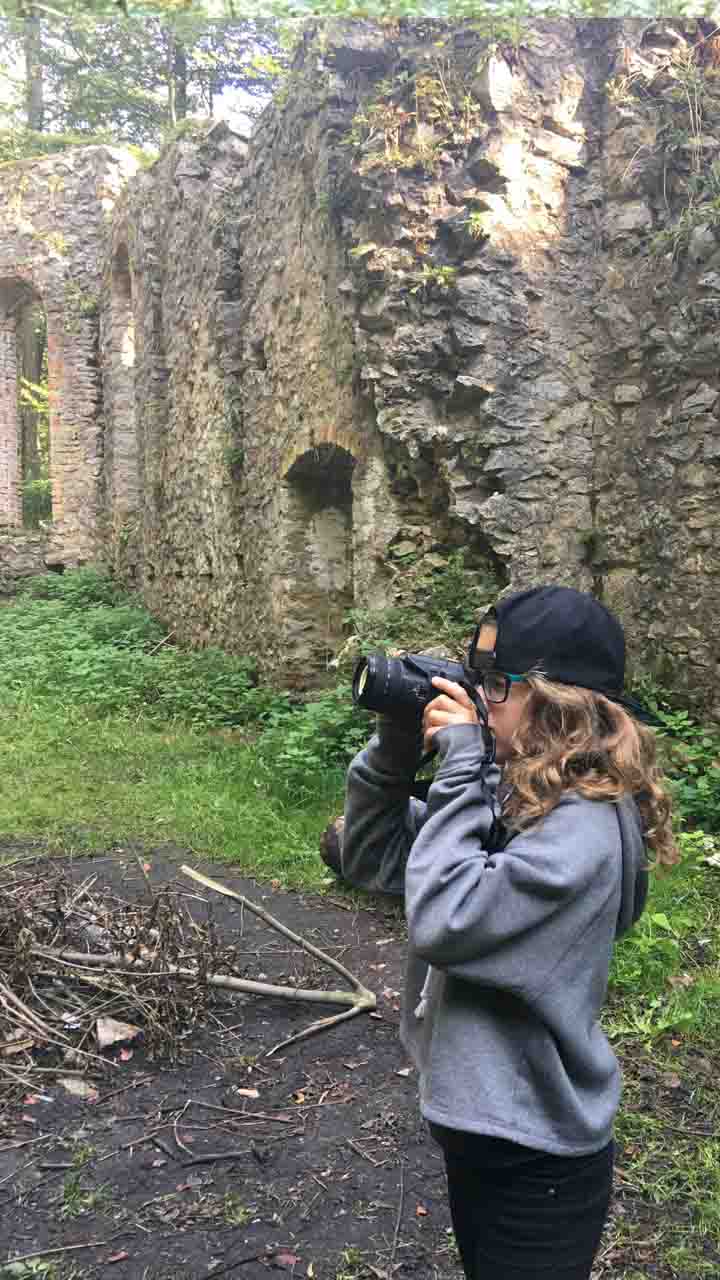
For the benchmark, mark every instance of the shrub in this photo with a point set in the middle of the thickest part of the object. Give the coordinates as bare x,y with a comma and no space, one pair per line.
691,756
300,744
76,589
442,611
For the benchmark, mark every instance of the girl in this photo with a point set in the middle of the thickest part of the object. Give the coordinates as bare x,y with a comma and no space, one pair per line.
514,893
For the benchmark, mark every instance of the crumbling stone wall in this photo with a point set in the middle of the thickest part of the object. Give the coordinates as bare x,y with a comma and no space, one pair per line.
53,226
483,321
449,296
173,445
531,376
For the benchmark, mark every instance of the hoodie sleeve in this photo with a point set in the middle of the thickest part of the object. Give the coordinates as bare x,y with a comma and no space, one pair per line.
381,817
478,915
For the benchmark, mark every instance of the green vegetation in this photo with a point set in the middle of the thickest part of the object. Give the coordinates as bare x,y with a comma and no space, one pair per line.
109,734
442,278
235,1213
77,1200
76,78
409,119
668,957
439,608
691,758
678,114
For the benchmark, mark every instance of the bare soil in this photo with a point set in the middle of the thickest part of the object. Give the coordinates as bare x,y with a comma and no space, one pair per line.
178,1172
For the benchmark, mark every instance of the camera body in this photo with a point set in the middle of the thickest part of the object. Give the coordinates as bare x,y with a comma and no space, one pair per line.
402,687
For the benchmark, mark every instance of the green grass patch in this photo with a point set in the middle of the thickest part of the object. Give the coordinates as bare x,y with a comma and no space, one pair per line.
666,1167
108,733
82,782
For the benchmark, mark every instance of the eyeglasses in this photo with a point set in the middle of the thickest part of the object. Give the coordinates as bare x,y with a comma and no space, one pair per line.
495,684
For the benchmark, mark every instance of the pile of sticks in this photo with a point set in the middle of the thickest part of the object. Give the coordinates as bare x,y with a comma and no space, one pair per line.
75,958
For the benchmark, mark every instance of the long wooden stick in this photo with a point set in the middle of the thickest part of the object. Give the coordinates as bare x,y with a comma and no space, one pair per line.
281,928
361,998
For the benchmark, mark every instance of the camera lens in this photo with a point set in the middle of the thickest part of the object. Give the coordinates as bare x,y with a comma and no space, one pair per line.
369,682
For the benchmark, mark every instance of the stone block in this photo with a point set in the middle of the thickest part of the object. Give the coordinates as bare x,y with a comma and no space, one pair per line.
631,217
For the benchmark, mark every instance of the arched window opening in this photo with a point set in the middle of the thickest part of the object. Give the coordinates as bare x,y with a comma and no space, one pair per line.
34,414
25,465
121,448
318,566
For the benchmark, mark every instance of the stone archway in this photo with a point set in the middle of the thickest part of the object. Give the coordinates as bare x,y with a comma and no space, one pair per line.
316,581
25,396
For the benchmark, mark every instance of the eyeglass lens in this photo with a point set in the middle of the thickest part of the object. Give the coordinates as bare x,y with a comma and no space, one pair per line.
495,686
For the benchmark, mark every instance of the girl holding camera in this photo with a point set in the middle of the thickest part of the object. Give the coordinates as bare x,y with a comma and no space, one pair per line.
524,864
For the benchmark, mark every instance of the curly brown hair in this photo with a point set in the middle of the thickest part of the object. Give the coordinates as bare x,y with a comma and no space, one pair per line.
573,738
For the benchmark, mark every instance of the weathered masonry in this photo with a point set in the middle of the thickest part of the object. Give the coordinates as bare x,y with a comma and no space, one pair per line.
293,375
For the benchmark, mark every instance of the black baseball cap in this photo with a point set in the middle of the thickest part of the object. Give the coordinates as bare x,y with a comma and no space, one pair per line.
568,636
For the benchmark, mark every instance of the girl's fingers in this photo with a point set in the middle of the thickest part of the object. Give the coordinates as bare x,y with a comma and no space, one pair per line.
454,690
445,704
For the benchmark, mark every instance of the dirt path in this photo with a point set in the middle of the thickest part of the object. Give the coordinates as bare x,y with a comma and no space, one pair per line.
319,1186
326,1168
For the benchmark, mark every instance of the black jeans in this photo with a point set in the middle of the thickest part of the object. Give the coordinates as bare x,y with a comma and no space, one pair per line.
521,1214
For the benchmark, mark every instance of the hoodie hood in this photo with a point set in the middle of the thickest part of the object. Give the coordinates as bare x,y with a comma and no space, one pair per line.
634,865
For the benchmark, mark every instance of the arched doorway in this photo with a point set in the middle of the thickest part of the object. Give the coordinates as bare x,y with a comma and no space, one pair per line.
25,398
317,569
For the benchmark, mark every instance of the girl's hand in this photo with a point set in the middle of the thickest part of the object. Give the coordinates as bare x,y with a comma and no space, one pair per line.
453,706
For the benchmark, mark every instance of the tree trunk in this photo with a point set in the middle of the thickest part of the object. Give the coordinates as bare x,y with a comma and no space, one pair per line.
179,75
169,77
32,41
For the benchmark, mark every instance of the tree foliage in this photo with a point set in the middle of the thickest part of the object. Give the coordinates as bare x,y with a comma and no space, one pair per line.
377,10
128,77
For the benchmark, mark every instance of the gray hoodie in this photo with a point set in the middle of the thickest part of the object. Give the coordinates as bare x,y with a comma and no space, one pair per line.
518,939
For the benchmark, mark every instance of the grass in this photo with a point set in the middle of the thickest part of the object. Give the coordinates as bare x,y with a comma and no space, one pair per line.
77,1200
668,1173
82,782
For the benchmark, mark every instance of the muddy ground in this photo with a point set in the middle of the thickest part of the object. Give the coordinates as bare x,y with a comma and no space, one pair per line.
178,1172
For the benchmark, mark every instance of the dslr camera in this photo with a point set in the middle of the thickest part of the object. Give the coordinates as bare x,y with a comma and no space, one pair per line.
402,687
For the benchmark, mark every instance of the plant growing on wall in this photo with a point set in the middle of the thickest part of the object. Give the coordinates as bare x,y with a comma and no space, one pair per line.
679,101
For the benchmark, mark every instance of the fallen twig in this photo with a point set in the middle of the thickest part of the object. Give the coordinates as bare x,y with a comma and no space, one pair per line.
63,1248
180,1145
21,1011
244,1115
134,1084
241,1262
398,1220
360,999
19,1169
377,1163
77,960
166,1150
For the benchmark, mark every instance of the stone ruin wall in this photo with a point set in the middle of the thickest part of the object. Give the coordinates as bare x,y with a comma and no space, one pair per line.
289,413
53,232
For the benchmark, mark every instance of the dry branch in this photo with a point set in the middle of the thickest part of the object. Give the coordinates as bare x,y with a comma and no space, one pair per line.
78,960
75,954
361,1001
